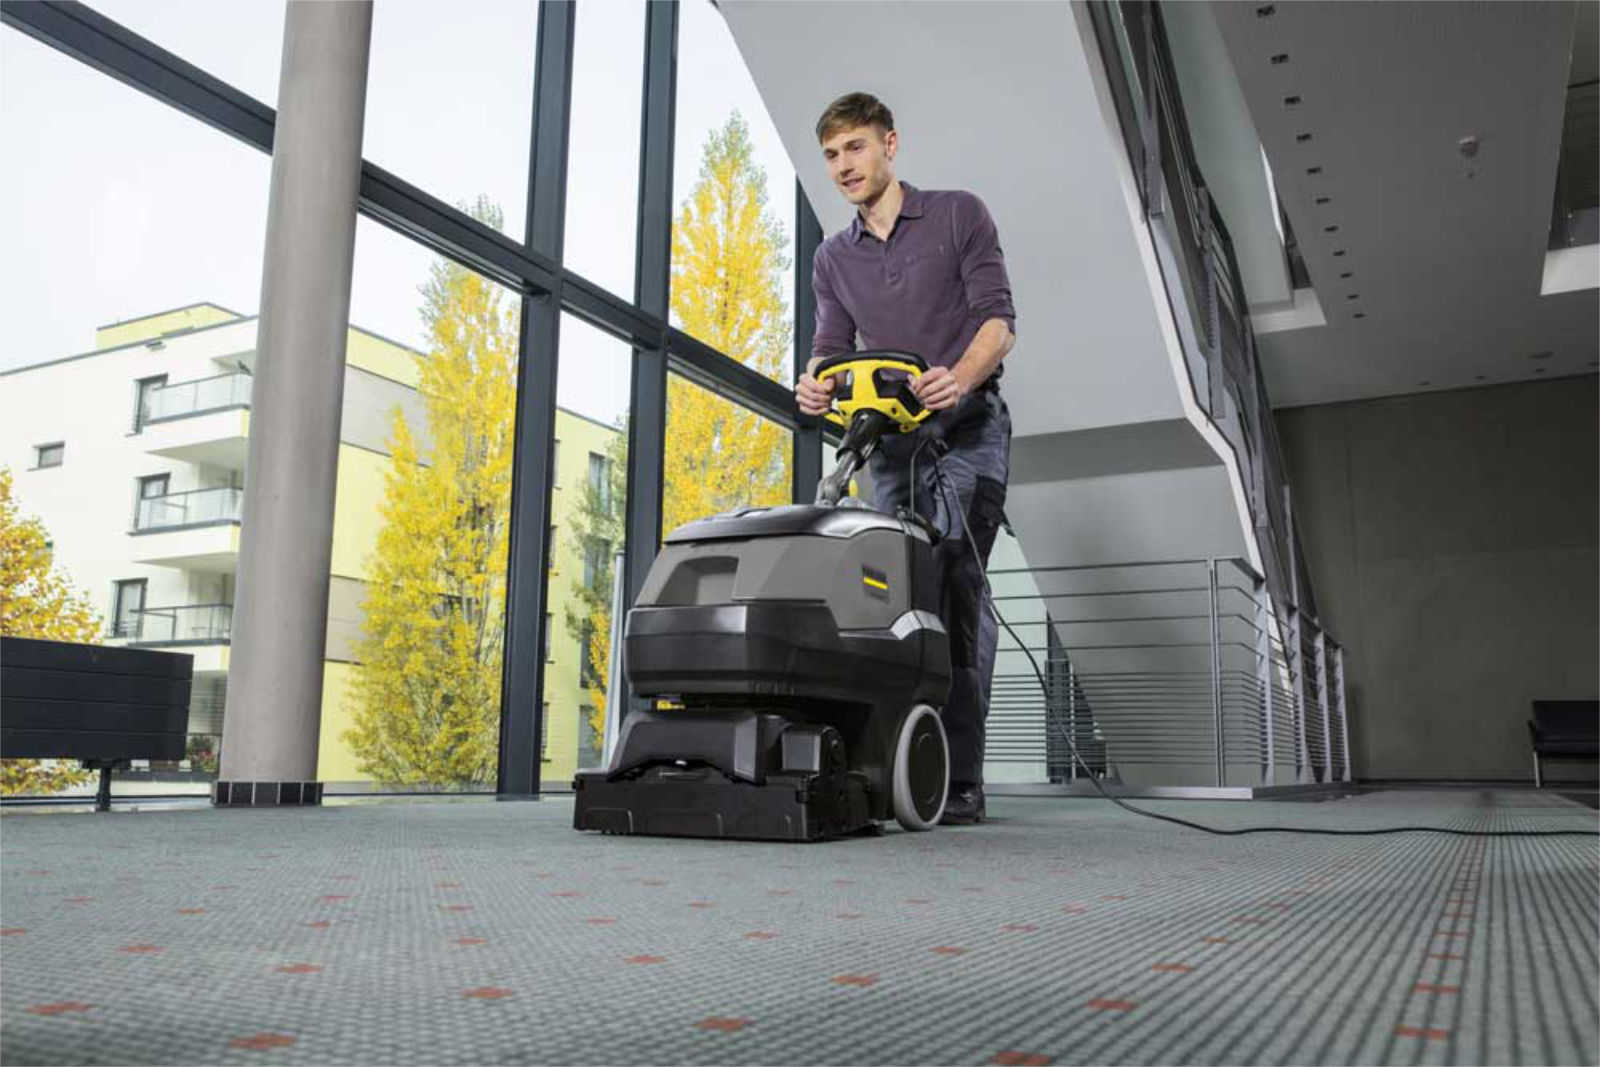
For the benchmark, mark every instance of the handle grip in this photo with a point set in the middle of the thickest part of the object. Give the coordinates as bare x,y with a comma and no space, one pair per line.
868,392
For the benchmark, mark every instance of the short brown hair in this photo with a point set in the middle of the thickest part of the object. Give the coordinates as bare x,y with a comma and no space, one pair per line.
852,110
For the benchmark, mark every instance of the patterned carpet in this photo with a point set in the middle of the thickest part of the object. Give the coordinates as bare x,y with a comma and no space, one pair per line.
1063,931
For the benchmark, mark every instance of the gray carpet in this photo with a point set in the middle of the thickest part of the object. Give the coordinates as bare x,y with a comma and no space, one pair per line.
1064,931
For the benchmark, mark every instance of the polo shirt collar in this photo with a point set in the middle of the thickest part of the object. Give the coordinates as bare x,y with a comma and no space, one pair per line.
910,208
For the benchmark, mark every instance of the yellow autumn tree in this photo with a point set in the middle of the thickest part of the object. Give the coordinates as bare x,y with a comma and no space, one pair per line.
426,697
729,257
37,600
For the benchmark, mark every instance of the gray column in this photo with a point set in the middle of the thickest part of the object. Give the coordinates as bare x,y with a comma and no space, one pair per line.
274,707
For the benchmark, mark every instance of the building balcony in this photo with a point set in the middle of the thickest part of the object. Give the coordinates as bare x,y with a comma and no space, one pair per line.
202,421
201,630
197,530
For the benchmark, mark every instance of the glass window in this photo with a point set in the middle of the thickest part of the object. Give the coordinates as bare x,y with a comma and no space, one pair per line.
592,398
151,487
141,233
143,391
733,189
240,42
719,456
422,517
603,142
596,563
49,455
600,479
128,604
450,100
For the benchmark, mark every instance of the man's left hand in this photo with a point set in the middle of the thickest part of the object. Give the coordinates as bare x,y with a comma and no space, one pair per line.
939,389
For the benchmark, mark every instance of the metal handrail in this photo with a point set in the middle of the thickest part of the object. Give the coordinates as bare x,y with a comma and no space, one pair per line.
182,624
1164,693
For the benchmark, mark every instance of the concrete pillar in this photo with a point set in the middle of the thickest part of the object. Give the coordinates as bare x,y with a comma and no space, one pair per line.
274,707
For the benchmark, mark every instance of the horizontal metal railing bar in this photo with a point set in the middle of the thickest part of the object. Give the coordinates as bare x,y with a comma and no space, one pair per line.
1238,563
201,381
1071,567
1131,679
1121,592
1113,648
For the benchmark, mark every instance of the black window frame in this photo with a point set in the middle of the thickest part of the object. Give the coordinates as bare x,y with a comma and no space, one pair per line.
142,388
142,483
60,450
532,266
119,587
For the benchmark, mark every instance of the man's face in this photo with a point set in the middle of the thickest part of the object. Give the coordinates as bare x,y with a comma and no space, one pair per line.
860,161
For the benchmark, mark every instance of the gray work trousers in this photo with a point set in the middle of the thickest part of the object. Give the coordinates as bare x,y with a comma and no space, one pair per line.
976,468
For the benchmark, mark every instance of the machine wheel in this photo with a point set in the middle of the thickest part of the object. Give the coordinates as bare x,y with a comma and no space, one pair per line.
921,769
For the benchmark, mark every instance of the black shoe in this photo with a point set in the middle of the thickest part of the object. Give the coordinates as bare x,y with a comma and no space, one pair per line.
963,805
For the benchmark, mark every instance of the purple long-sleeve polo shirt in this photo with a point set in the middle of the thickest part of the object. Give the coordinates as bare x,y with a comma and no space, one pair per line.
927,289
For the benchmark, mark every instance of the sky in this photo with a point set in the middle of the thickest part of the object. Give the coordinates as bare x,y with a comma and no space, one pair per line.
113,205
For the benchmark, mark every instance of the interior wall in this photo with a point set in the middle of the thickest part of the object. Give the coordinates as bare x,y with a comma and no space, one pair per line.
1452,540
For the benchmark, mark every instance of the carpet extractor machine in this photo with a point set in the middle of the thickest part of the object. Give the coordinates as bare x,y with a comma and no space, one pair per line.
789,662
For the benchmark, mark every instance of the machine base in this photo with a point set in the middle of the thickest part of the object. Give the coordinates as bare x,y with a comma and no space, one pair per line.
702,802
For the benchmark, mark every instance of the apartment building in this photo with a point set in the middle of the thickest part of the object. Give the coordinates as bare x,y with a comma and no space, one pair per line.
133,455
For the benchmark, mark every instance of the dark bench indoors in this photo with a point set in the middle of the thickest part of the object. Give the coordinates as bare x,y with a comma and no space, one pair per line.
1563,729
104,706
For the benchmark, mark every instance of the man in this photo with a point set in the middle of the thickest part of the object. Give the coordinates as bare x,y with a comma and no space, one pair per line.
921,271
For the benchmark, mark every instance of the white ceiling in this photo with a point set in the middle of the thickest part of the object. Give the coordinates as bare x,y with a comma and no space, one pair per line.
1447,268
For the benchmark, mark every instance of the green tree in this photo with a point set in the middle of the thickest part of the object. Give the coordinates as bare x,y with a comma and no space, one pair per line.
729,255
37,600
427,693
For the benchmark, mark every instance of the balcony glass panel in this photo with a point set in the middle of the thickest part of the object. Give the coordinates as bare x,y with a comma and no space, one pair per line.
193,508
205,623
206,394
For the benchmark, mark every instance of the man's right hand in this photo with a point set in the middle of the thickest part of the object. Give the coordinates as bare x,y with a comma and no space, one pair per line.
814,397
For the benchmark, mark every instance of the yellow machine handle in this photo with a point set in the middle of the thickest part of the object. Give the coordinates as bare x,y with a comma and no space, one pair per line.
862,388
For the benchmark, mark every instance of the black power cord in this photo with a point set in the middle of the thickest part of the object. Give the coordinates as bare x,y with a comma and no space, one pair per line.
945,488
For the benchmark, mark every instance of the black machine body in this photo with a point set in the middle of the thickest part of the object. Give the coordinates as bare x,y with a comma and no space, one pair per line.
786,665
